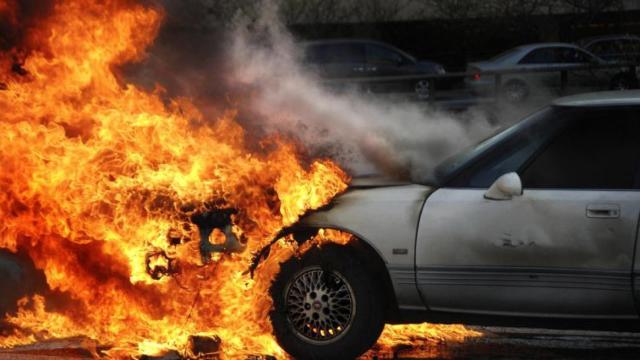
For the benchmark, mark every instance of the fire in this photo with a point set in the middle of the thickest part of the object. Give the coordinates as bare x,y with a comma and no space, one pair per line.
99,180
97,174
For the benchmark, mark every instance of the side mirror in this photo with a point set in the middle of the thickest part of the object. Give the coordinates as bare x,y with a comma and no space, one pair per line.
505,187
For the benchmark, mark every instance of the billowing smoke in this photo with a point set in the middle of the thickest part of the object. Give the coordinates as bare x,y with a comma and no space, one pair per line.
256,66
365,133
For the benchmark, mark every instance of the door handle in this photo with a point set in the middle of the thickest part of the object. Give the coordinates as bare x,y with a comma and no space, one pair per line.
603,211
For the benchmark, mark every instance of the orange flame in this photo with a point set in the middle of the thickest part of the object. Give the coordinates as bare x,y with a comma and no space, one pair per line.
97,174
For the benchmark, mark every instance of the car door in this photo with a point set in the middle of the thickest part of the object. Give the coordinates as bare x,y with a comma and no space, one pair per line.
385,61
539,59
564,248
583,79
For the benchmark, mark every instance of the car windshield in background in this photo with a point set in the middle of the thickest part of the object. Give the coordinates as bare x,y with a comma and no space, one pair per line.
504,55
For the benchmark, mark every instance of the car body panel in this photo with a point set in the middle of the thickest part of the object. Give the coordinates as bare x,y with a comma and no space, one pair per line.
386,218
539,254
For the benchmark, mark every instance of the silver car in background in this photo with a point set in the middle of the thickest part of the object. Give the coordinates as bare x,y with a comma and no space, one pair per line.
518,87
613,47
538,223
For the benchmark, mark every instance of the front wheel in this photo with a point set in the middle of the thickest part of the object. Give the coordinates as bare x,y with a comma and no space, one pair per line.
326,306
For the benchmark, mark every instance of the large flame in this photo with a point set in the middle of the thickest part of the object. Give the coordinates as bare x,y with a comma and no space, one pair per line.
97,174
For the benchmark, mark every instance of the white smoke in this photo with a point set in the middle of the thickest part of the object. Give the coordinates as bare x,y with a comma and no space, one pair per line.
364,133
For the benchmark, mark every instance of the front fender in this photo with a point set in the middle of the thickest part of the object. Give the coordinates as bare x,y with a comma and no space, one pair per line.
386,218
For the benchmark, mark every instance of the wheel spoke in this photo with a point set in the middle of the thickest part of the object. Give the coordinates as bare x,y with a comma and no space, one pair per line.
320,305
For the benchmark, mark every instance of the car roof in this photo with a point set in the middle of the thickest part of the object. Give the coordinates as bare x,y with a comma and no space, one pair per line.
588,41
603,98
344,41
545,45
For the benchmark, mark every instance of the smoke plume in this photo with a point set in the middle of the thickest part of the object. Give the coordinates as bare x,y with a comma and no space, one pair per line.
256,66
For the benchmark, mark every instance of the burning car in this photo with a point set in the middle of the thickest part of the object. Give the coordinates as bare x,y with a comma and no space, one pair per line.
537,222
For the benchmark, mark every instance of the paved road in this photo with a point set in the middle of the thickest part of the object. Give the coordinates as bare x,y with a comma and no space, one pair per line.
497,343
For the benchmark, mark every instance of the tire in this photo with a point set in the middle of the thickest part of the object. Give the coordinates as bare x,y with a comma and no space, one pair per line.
623,82
351,329
515,91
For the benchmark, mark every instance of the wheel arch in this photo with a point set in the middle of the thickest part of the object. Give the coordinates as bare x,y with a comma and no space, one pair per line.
370,257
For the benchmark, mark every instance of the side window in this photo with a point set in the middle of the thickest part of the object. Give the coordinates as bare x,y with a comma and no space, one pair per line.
603,48
344,53
513,149
316,54
572,56
598,152
540,56
510,156
383,56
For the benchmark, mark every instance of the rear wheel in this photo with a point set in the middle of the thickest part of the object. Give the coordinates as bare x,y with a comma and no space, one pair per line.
515,91
326,306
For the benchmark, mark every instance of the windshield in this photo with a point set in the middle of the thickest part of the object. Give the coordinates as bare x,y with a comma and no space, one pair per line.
450,167
504,55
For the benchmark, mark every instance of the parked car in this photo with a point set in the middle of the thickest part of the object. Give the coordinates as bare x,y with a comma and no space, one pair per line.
537,222
356,58
624,48
517,87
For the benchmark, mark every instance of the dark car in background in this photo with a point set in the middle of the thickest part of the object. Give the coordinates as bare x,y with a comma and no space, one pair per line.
624,48
534,60
359,58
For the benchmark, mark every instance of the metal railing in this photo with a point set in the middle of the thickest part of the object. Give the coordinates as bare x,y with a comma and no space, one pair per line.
563,70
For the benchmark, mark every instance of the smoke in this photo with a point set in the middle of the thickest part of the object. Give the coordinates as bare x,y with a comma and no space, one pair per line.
365,133
256,66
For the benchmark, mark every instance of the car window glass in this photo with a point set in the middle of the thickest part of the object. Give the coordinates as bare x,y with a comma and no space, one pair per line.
334,53
315,54
344,53
540,56
383,56
603,48
570,55
598,152
508,151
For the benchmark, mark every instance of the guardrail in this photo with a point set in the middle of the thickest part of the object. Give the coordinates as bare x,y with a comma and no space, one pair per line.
498,75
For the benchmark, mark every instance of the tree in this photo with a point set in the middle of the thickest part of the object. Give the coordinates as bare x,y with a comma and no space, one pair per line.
594,6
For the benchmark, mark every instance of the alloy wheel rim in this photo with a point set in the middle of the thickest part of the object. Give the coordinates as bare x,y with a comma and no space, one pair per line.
320,305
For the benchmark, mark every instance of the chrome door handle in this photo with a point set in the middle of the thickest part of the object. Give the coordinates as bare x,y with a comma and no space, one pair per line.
603,211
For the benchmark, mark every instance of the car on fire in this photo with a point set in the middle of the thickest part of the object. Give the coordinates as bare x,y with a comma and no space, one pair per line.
538,223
